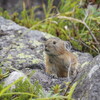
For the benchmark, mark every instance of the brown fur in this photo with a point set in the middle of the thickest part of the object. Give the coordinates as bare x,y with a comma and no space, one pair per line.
58,59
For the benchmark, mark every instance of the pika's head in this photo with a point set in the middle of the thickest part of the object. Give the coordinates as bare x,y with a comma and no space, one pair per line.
54,46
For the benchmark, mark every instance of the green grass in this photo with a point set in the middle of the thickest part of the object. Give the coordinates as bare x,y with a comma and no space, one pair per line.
25,90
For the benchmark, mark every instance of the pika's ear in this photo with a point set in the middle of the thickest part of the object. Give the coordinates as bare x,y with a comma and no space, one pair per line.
43,39
67,45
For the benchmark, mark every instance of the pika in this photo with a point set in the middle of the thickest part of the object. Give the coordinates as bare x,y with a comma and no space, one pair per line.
58,60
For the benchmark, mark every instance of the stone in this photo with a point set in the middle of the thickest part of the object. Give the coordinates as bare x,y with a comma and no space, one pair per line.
15,75
89,87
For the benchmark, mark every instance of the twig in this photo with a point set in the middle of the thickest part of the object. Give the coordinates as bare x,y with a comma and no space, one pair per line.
67,89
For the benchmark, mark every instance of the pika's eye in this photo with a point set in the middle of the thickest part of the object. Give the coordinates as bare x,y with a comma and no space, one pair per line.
54,42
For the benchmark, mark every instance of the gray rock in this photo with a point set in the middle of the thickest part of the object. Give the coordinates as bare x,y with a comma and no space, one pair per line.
89,87
13,77
47,81
19,46
84,58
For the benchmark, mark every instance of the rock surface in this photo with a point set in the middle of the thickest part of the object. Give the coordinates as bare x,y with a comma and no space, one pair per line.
21,47
13,77
89,87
